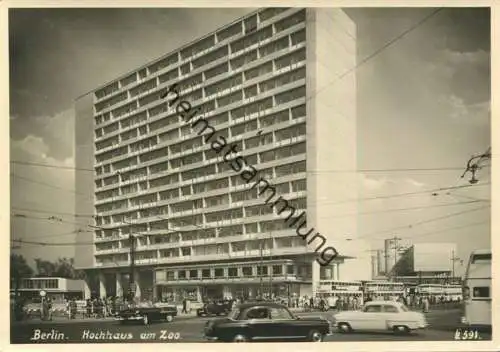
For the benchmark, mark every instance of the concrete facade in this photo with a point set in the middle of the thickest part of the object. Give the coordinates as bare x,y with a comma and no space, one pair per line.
267,82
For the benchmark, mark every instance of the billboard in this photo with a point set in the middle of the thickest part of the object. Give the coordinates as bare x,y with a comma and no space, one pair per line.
433,256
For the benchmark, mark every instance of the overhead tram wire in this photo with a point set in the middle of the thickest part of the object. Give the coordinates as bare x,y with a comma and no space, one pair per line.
362,62
31,210
434,190
94,227
60,167
413,225
451,168
478,223
27,179
340,77
48,244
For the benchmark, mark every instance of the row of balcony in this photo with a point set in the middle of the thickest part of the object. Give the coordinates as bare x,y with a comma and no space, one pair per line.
220,188
221,65
173,60
220,174
218,182
208,257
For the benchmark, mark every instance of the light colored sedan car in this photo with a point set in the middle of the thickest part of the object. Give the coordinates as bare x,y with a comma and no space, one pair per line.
380,316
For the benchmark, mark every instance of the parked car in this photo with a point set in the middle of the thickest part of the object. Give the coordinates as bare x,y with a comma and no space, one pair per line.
147,313
380,316
265,321
214,308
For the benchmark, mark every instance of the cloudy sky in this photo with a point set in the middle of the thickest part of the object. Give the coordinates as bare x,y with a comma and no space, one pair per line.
423,103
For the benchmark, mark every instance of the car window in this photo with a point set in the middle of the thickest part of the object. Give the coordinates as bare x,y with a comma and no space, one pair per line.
257,313
373,309
280,313
404,308
390,309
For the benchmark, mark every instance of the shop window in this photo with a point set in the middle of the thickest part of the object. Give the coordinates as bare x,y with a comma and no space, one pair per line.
193,274
219,273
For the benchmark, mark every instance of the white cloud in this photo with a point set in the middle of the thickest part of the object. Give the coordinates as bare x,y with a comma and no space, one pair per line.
479,57
460,112
393,183
414,183
56,132
373,184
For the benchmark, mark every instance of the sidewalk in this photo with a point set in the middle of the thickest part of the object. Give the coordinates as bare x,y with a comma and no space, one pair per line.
80,319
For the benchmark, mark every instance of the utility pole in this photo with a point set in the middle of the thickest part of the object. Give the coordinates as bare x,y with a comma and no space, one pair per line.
474,165
132,287
453,260
271,257
261,271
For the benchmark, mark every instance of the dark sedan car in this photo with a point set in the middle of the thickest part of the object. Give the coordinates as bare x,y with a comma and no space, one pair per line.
214,308
147,314
265,321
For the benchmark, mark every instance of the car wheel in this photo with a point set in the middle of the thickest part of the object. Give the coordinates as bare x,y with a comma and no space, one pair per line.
145,320
315,336
169,318
240,338
344,327
401,329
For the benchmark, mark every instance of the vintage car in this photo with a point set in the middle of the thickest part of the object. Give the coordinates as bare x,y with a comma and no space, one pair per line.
147,313
214,308
380,316
265,321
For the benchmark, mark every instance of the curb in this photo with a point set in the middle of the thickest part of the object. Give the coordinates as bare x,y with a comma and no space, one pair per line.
75,321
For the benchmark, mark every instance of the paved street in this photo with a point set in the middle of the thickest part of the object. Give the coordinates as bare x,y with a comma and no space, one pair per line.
189,329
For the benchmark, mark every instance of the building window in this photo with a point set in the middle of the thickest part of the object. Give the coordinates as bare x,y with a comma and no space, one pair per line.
247,271
277,270
205,274
482,292
219,273
181,274
170,276
193,274
262,270
290,269
232,272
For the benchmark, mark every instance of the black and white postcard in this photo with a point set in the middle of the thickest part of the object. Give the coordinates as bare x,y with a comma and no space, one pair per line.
245,172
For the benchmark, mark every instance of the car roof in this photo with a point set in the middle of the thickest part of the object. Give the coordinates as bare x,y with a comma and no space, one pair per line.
260,304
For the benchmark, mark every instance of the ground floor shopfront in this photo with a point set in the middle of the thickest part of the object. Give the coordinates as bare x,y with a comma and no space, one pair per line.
285,277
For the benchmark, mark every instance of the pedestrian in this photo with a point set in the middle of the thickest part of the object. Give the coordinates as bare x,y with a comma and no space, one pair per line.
72,309
184,306
425,304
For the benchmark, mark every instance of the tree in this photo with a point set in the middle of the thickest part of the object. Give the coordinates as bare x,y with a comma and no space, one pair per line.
19,269
63,267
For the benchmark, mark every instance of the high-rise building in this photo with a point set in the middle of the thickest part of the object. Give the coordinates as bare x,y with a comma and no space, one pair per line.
394,249
268,83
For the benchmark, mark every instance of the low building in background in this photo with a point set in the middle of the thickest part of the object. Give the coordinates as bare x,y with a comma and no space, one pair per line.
427,263
56,288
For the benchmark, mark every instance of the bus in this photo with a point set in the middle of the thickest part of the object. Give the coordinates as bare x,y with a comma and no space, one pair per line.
454,292
430,290
383,289
476,290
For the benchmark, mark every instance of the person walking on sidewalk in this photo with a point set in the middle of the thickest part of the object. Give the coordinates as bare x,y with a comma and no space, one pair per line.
184,306
425,304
